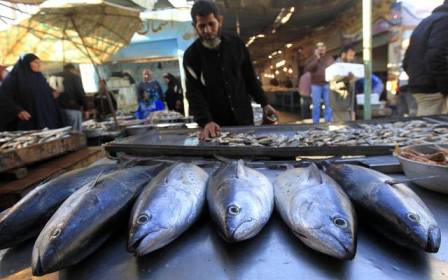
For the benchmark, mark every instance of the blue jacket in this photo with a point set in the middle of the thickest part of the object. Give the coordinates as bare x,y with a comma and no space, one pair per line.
145,108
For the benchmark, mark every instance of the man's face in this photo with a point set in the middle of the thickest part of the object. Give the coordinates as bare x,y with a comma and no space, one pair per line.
321,48
147,76
208,27
350,55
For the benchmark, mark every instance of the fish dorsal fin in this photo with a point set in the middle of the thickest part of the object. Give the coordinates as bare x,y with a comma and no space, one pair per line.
240,169
170,172
97,179
314,174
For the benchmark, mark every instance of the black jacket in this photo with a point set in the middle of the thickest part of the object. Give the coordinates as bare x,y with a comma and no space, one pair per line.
102,105
73,97
426,60
221,82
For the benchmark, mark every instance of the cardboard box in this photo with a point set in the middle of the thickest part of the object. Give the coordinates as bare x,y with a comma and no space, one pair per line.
339,70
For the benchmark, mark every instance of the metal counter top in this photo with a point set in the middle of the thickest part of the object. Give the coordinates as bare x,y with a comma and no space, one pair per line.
274,254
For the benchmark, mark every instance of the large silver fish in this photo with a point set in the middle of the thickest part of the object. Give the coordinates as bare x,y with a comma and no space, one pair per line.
392,209
240,201
167,207
28,216
88,218
317,211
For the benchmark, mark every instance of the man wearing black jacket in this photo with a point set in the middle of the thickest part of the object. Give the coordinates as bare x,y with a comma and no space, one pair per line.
426,63
73,99
220,76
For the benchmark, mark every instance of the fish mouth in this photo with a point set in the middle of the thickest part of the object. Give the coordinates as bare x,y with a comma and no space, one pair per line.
434,238
236,236
136,246
349,253
338,249
37,269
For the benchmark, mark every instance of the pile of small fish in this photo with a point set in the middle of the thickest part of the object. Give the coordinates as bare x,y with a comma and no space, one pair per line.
389,134
438,157
17,140
250,139
165,116
94,125
83,208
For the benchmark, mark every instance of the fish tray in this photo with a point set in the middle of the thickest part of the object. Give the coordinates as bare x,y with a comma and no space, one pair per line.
38,152
176,142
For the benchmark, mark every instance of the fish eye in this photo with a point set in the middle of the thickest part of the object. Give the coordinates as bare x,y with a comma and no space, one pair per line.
143,219
233,210
340,222
414,217
55,233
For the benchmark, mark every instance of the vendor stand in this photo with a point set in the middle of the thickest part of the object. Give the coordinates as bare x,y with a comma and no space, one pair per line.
273,254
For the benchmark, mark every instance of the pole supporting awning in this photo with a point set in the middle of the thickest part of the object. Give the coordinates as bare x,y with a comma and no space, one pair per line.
367,55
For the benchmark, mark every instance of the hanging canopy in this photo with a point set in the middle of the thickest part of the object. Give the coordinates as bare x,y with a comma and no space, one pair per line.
29,2
71,31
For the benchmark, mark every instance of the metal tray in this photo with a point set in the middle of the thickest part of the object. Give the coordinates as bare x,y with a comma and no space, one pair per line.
175,142
415,169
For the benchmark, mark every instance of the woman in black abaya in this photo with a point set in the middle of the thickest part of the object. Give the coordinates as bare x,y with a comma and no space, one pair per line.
173,95
26,99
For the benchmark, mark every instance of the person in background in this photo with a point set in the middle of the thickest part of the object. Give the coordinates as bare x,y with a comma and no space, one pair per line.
316,65
27,102
342,97
73,99
3,73
174,94
305,94
102,107
147,106
377,85
220,76
149,87
426,63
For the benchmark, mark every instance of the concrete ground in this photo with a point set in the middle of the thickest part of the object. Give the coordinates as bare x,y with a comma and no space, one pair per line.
291,118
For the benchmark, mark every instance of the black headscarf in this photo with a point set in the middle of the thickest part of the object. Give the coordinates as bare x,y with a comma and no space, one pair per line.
26,90
173,92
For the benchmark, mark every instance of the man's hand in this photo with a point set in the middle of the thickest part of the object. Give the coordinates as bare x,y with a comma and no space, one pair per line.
56,94
269,112
178,105
24,116
211,129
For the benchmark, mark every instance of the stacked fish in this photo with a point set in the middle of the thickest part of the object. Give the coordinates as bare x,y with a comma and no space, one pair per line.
163,202
399,133
10,141
165,116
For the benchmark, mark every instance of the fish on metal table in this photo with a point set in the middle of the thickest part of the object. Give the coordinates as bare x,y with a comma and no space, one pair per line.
167,207
317,211
240,200
28,216
88,218
394,210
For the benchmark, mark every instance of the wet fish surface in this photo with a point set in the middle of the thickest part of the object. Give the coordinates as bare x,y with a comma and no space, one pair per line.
167,207
394,210
317,211
28,216
88,218
240,200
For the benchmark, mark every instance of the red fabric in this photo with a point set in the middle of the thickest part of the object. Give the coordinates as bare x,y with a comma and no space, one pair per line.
2,68
305,84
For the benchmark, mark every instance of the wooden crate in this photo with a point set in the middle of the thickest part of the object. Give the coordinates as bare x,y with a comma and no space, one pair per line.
35,153
13,190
